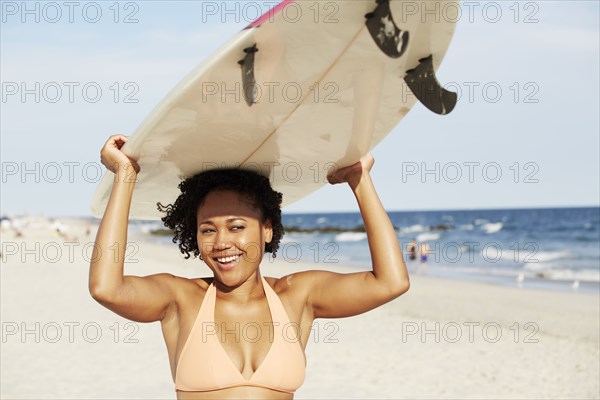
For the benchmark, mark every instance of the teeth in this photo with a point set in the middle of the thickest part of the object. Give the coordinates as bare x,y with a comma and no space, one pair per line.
228,259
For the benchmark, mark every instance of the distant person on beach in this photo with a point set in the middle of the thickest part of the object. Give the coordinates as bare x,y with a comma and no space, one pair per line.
62,231
424,252
229,219
18,226
412,250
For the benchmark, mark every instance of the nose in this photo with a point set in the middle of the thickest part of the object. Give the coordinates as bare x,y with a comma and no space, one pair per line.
222,240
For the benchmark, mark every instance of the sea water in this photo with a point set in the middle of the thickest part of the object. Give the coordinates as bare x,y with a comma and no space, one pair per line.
551,248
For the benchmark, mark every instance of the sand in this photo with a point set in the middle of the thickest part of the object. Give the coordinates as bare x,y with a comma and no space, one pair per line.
443,339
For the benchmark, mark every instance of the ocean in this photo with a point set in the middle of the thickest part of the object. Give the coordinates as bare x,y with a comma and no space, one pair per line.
550,248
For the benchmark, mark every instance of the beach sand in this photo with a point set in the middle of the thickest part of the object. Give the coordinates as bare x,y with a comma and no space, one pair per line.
443,339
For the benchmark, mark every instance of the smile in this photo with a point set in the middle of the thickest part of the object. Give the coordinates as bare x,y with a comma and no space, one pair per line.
224,260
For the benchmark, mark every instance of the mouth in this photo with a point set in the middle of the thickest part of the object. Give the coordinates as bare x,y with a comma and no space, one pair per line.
227,263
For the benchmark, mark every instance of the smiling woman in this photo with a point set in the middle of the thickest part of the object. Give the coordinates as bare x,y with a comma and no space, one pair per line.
228,335
257,196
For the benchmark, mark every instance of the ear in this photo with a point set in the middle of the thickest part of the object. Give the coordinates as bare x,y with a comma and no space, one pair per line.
268,231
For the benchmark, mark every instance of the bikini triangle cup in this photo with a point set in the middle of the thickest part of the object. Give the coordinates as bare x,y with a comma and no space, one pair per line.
204,365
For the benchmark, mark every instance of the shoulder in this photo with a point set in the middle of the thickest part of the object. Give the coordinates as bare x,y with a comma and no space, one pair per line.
297,283
175,281
181,287
300,290
186,293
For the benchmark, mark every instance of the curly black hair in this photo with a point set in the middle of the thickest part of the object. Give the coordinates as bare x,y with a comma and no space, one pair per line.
181,215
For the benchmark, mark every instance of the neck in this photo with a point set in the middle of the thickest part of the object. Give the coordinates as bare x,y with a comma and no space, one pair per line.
249,290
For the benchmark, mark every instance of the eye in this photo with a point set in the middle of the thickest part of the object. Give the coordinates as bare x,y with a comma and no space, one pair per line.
206,231
237,227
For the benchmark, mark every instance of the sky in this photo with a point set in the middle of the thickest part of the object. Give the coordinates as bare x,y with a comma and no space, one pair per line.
524,134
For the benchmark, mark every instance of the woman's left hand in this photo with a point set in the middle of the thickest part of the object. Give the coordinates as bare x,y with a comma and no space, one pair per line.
352,173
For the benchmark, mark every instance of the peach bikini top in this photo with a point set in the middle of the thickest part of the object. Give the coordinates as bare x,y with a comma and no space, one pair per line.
204,365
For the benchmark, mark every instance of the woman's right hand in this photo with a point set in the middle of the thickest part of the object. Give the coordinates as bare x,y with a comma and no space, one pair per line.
113,158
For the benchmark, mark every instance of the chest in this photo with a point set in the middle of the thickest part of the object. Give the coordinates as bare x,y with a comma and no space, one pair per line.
245,333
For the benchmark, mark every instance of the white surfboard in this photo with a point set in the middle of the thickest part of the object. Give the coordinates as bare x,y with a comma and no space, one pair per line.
291,96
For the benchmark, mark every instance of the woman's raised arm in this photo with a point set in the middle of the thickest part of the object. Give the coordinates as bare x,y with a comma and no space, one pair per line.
341,295
142,299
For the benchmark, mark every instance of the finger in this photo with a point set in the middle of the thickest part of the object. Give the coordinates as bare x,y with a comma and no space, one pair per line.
332,178
116,141
120,137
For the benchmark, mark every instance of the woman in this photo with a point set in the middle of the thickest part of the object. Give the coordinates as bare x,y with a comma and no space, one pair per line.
230,223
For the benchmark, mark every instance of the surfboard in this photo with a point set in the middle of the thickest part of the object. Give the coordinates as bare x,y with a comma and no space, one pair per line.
292,97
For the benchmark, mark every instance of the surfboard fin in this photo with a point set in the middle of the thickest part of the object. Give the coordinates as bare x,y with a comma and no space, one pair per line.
384,31
425,86
248,80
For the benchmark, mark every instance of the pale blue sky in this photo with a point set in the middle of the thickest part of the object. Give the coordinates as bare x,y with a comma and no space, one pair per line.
550,134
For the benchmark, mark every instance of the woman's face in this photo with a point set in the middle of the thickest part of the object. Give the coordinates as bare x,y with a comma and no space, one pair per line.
231,236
